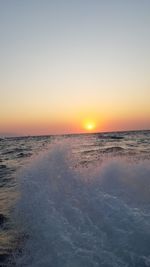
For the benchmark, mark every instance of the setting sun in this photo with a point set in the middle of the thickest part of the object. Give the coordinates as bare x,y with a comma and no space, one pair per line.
89,125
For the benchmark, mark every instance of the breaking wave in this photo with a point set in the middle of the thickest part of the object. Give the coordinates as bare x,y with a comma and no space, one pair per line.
75,219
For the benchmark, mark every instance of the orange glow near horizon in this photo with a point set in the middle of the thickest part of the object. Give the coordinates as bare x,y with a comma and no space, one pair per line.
81,122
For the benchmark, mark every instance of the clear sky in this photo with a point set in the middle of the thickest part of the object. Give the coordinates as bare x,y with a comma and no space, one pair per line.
67,63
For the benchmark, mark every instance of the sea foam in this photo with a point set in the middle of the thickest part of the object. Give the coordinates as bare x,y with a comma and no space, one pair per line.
65,220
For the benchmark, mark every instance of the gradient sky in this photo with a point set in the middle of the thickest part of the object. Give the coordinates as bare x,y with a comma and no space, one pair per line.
64,62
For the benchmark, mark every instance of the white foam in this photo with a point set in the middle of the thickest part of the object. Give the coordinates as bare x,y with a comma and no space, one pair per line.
68,221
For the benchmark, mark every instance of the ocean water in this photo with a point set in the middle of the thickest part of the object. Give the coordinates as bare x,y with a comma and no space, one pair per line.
75,200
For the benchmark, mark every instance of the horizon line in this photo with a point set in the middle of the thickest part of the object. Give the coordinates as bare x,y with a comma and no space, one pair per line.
10,135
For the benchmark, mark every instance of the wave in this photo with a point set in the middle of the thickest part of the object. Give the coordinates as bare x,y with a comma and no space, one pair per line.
113,137
86,218
113,149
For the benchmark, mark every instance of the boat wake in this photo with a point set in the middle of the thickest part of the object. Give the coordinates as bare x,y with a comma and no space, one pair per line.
66,218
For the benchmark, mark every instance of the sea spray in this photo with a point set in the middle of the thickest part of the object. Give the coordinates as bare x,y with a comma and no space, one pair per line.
66,221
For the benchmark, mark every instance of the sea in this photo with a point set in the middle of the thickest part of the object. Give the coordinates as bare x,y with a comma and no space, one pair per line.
75,200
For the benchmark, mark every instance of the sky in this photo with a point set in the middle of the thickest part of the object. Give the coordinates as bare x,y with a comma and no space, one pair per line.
69,64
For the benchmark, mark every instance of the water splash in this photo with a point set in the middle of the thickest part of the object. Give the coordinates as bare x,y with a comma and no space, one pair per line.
65,220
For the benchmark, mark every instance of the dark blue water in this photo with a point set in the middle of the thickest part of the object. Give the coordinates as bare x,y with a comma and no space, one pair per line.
75,200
